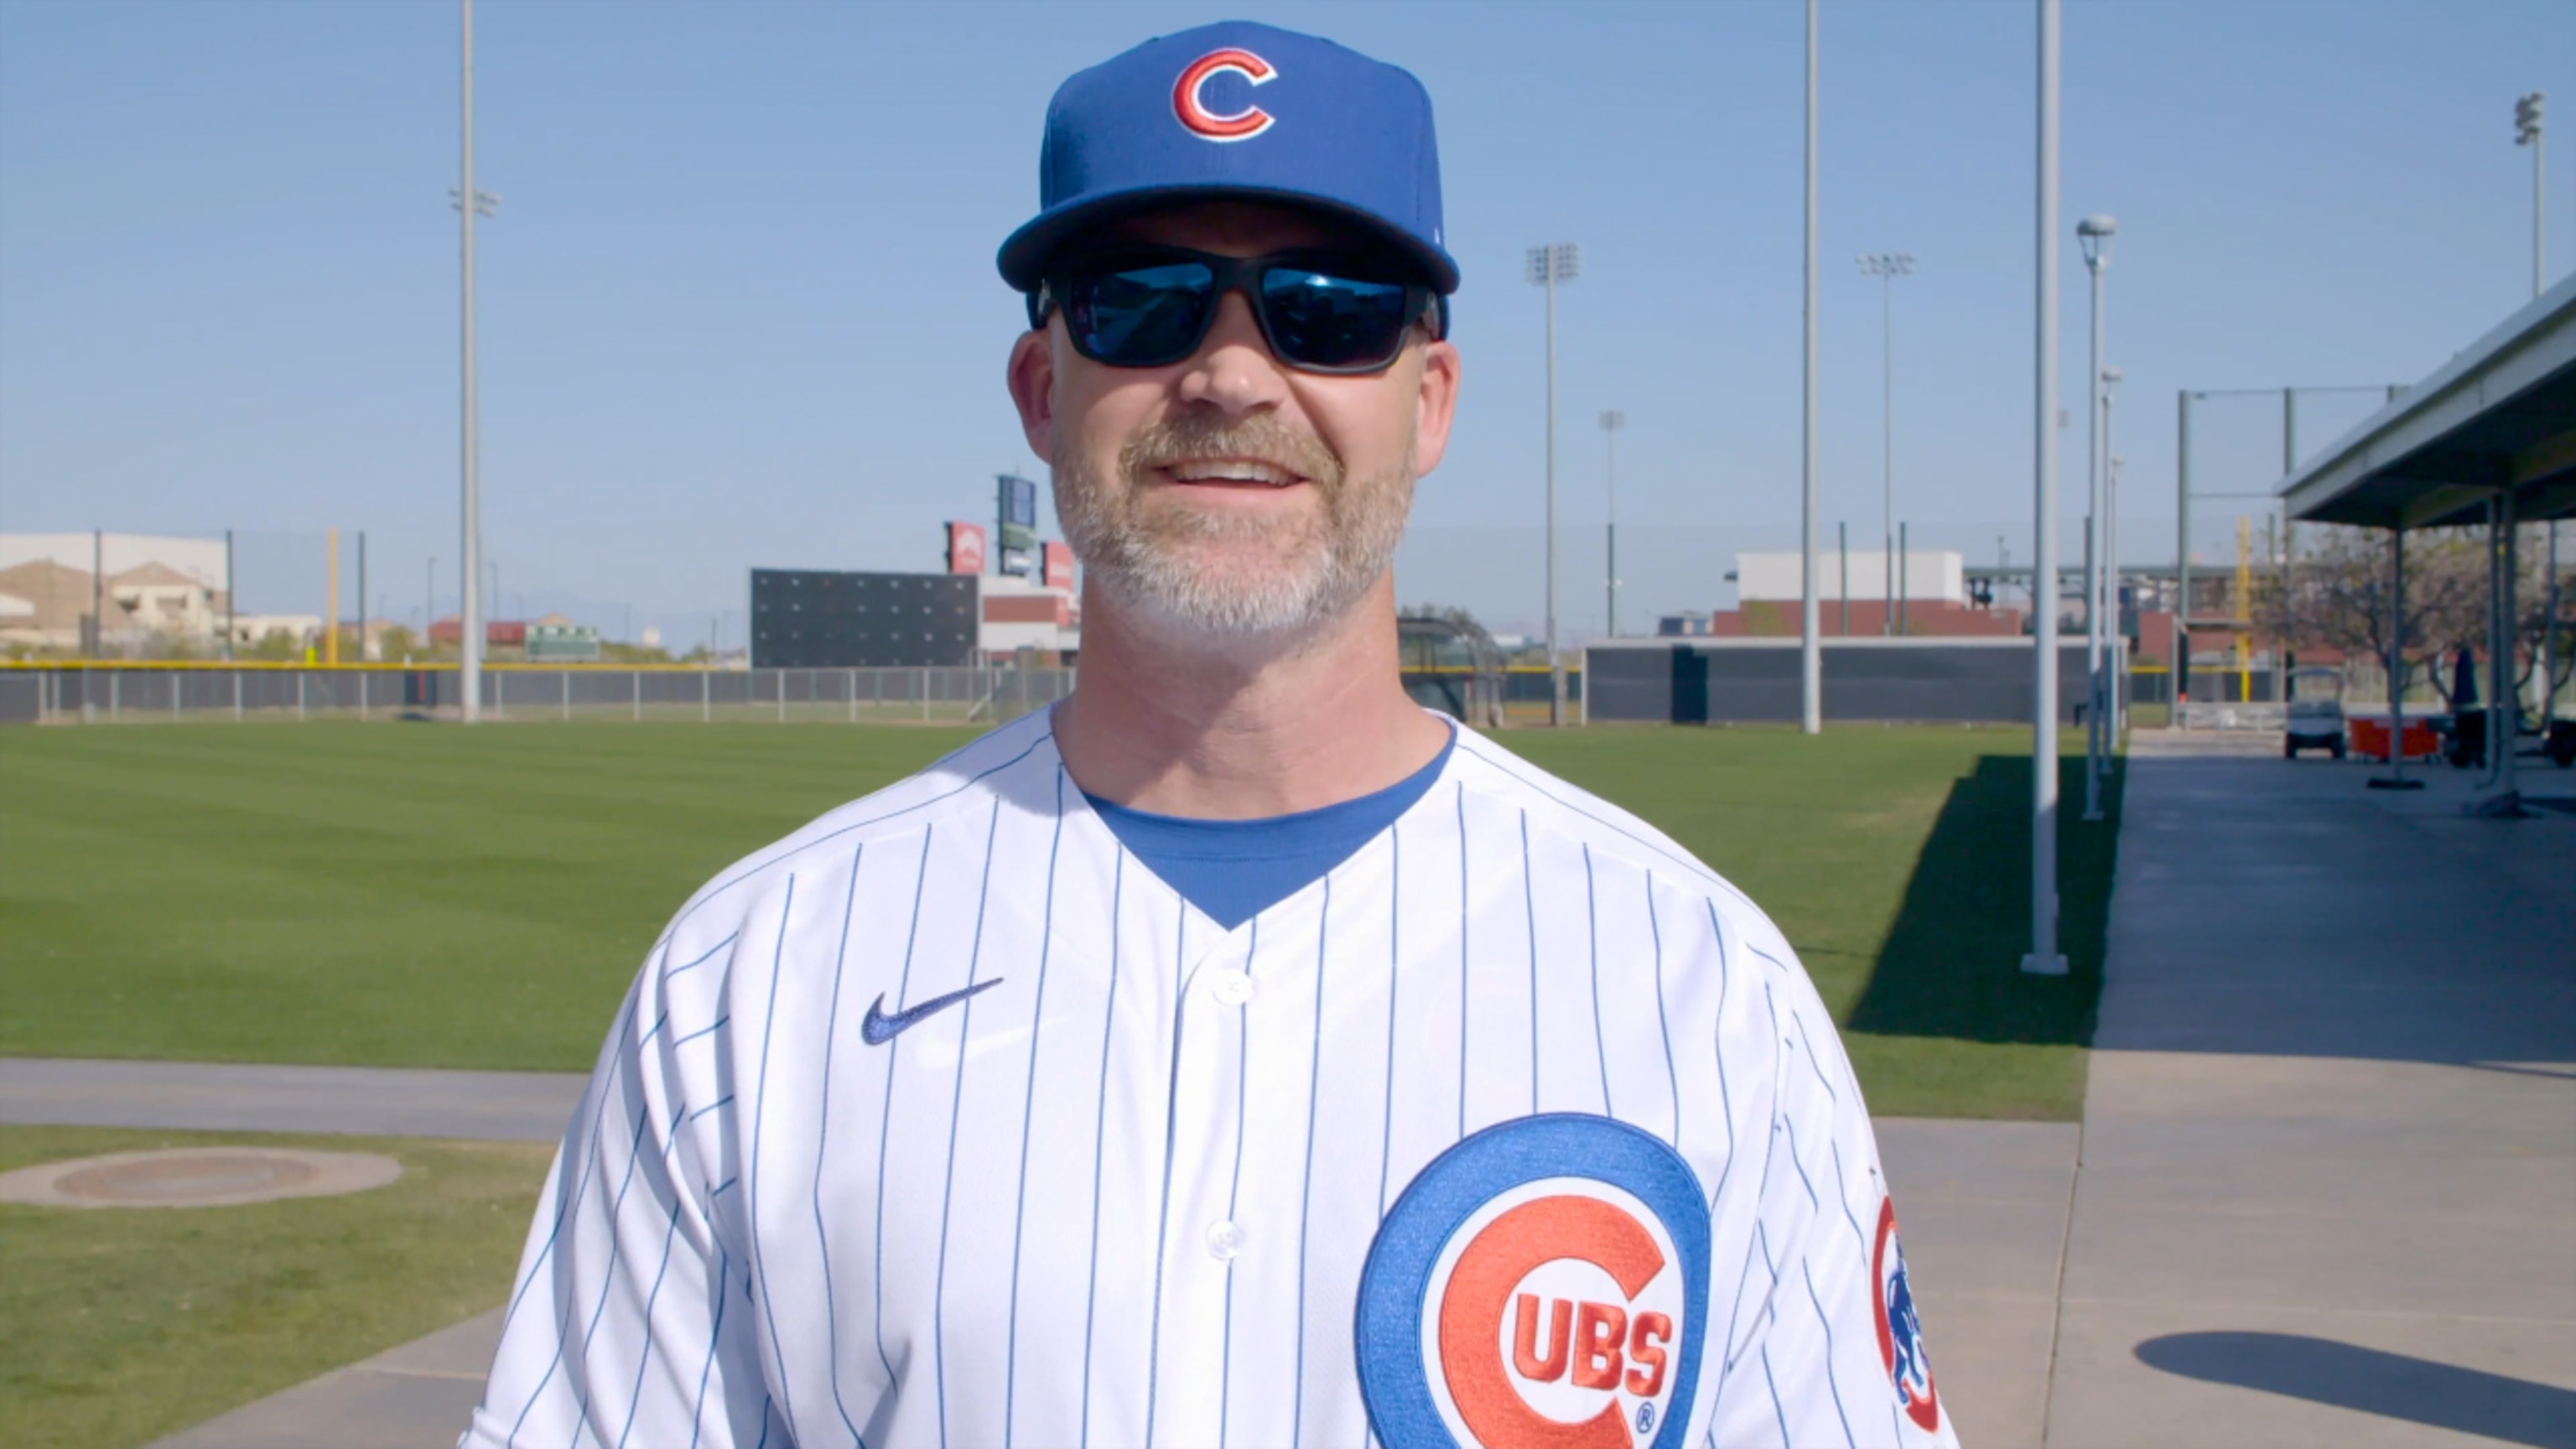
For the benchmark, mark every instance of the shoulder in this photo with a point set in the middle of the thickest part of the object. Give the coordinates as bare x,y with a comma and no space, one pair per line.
1567,815
1012,768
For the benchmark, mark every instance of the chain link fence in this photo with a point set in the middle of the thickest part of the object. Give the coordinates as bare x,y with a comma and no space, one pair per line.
175,693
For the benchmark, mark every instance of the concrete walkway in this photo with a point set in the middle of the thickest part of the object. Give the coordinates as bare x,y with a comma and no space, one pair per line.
364,1101
2329,1150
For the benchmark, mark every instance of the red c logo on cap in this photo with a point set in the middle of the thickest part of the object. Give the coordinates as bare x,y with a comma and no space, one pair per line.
1243,125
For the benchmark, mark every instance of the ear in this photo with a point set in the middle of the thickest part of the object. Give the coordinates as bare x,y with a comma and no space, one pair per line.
1032,384
1435,406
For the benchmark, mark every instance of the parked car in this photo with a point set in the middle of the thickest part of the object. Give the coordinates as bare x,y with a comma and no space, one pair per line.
2316,712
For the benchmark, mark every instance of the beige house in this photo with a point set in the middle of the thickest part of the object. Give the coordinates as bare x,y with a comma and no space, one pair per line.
44,604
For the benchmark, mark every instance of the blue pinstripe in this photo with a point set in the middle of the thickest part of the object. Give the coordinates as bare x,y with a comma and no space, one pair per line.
644,1360
1463,916
885,1119
760,1109
1099,1131
1663,1019
823,1140
956,1102
1171,1131
1592,932
1826,1321
1394,987
1529,899
1028,1111
715,1337
1306,1186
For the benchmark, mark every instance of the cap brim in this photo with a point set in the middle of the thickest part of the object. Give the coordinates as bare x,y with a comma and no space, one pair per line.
1024,254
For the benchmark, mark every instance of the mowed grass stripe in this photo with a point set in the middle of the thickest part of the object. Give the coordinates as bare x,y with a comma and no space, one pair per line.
427,896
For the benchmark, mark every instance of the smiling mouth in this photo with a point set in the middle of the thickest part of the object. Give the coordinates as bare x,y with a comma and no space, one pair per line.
1248,473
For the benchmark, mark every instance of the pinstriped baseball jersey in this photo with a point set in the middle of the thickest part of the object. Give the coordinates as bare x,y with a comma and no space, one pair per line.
944,1122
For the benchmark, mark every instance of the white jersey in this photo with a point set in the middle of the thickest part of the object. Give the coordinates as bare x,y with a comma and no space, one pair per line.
945,1122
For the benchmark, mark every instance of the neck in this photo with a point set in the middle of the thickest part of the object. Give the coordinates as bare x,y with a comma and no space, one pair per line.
1210,729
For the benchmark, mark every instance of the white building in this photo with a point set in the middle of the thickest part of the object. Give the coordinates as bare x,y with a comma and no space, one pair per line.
143,586
1930,576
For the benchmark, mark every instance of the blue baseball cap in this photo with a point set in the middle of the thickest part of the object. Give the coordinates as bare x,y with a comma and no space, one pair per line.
1239,110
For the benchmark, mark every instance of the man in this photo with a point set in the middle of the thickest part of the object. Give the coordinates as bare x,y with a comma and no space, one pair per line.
1239,1055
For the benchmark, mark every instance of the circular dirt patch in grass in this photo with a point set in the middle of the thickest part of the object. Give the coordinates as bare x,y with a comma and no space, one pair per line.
197,1177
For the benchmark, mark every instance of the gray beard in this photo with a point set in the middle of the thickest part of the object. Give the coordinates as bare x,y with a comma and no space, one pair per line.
1179,568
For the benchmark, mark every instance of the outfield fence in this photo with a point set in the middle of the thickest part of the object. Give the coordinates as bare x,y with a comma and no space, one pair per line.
148,693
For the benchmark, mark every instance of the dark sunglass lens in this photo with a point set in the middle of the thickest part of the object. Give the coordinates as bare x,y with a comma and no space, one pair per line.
1140,316
1320,320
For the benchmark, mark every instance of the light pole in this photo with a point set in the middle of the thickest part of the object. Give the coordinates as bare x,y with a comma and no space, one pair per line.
470,203
1612,420
2044,958
2527,132
1887,267
2115,668
1811,649
1549,265
2094,234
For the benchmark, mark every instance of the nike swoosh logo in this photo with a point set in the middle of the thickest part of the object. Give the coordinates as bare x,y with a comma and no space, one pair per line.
878,1028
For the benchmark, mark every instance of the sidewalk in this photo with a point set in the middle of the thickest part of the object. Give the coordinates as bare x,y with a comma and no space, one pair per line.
2330,1134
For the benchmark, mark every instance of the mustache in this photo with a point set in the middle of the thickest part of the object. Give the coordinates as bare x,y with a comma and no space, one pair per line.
1260,437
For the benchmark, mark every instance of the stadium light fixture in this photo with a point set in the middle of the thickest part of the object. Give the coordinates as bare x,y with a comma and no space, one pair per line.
2527,131
1549,265
1887,267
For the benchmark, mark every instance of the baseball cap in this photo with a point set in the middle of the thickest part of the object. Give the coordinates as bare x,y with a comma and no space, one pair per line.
1238,110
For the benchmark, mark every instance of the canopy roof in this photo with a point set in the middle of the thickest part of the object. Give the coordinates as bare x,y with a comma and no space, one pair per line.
2500,416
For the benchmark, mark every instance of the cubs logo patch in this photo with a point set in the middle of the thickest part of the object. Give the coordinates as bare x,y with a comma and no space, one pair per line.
1900,1331
1541,1285
1188,103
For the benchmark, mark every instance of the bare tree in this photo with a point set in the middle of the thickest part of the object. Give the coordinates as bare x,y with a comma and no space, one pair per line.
2337,596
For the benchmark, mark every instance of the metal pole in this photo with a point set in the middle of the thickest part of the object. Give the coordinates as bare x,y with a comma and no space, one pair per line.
1887,433
362,603
228,595
2182,558
1904,585
97,598
2397,654
2549,671
2044,958
1842,572
2506,711
1611,422
2093,554
470,615
1811,657
1556,676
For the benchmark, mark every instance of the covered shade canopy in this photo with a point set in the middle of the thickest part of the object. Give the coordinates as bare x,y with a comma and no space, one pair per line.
2500,416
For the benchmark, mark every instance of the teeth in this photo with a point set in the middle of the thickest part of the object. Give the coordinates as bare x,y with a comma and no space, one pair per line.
1231,470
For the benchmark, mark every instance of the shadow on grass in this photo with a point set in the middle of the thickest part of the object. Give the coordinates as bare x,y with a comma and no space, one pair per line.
1950,967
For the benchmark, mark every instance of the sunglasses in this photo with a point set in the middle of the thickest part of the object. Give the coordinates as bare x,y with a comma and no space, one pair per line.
1153,307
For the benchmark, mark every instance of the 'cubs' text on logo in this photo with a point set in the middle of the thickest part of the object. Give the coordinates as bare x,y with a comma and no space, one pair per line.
1552,1319
1242,125
1900,1330
1539,1286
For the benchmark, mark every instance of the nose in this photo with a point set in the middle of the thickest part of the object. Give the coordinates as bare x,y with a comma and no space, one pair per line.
1233,370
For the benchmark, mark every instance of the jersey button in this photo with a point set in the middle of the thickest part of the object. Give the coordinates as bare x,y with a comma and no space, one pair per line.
1224,1240
1233,988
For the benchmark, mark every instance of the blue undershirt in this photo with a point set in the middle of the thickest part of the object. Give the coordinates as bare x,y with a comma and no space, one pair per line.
1232,870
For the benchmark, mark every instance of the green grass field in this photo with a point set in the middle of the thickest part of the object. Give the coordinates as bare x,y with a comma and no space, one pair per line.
118,1326
407,895
421,896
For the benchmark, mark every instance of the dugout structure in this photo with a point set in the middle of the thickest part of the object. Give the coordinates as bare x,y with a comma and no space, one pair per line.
1755,681
1452,665
827,619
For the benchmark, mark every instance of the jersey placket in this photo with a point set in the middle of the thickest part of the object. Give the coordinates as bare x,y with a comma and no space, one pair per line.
1203,1235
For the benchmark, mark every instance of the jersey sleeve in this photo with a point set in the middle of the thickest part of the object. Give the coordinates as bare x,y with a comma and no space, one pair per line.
629,1320
1822,1345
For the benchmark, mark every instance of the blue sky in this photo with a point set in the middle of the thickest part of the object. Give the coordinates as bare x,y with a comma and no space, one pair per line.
739,306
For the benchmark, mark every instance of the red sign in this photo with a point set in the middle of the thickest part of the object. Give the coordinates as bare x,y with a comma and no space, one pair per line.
965,548
1059,566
